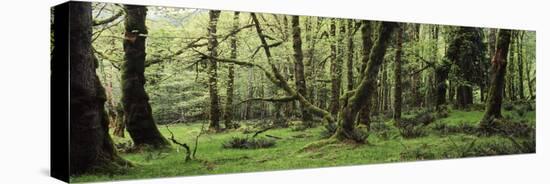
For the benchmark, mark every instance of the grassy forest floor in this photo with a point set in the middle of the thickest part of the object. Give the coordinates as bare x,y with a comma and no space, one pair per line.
439,141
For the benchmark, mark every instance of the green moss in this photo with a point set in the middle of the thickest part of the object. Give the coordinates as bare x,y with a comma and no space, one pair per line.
214,159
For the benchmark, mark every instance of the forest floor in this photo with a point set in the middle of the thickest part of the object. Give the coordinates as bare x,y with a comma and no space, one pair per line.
288,153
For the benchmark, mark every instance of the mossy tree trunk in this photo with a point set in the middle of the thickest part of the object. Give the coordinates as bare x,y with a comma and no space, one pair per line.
138,116
366,37
300,79
362,95
398,91
335,70
213,71
350,51
498,68
519,50
120,126
91,146
228,112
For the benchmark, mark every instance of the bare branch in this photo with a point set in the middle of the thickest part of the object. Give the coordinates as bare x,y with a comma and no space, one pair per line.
108,20
187,149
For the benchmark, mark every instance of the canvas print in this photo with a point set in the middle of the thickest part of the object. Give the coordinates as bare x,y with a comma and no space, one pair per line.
169,91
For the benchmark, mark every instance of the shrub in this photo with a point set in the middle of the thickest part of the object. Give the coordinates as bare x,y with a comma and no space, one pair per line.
413,127
507,127
246,143
508,106
412,131
496,145
443,112
422,152
359,136
463,127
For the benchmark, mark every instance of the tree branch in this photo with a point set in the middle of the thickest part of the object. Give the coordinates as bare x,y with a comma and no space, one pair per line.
115,63
108,20
272,99
187,149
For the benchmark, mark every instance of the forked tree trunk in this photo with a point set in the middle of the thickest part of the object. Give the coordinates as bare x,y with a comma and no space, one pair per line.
397,74
498,68
301,86
362,95
138,116
213,72
91,146
228,112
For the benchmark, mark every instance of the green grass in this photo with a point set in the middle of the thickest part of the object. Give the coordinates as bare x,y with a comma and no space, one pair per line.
212,158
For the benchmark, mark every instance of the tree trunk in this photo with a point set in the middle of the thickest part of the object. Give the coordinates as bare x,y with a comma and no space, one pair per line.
213,72
397,74
119,121
349,64
301,86
335,70
138,115
366,32
519,43
498,68
91,146
441,74
362,95
464,96
228,112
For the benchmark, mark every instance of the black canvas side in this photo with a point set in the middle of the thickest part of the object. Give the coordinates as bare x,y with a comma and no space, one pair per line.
59,100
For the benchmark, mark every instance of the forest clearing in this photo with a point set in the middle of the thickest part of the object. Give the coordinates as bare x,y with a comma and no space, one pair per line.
159,91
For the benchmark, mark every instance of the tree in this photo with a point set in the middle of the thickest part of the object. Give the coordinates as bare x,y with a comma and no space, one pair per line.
300,80
138,114
466,50
498,71
366,34
91,146
362,95
335,69
213,71
228,112
398,92
519,50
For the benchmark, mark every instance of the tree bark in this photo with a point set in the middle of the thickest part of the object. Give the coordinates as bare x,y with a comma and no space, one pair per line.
335,70
91,146
362,95
519,44
138,115
120,126
228,112
350,52
397,74
366,34
498,68
300,80
213,72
